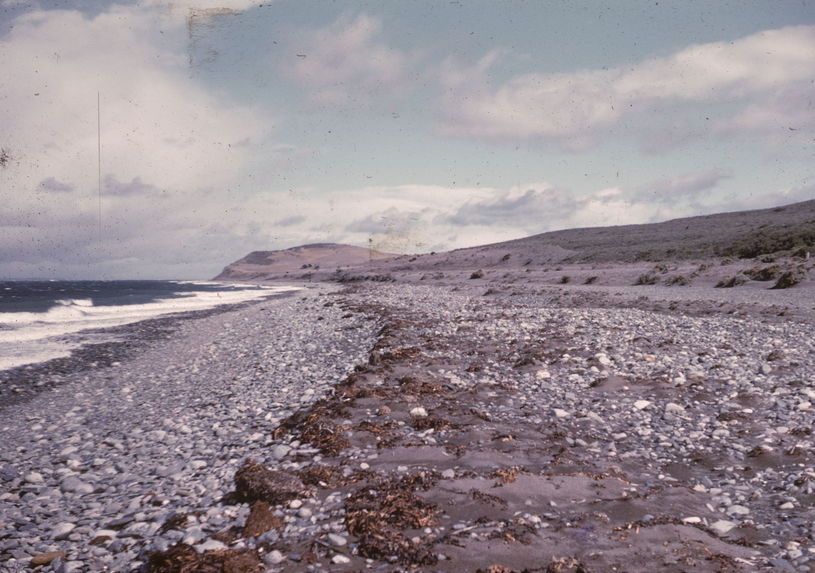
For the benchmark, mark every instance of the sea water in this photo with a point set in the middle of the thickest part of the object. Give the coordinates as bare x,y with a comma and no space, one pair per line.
43,320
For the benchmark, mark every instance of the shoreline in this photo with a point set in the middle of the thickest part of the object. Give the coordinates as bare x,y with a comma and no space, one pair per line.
21,383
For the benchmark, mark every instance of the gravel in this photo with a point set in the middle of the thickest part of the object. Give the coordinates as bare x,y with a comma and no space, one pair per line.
95,466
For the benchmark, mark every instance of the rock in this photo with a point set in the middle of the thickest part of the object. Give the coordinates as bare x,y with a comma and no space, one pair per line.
61,530
418,412
641,404
449,473
340,559
46,558
255,482
280,451
260,520
337,540
34,478
74,484
210,545
722,526
559,413
736,509
274,557
672,408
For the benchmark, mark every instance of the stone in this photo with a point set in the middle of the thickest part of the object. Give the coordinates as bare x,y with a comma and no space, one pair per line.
274,557
736,509
61,530
418,412
280,451
34,478
560,413
210,545
74,484
449,473
46,558
337,540
255,482
260,520
722,526
340,559
641,404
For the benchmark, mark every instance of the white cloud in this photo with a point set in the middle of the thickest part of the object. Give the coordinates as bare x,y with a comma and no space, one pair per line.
572,107
673,190
166,143
347,62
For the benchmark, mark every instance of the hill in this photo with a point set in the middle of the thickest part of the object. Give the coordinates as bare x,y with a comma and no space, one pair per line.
259,265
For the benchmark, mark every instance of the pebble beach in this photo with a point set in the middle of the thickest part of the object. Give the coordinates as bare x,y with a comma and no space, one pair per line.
444,427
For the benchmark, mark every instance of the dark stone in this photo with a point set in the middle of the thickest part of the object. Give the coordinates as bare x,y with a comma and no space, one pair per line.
260,520
255,482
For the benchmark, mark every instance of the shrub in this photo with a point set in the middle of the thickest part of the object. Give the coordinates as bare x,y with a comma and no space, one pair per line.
677,280
565,279
790,278
647,279
590,280
477,275
730,282
764,273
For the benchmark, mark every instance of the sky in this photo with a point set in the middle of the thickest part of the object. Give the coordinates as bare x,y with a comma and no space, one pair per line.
165,139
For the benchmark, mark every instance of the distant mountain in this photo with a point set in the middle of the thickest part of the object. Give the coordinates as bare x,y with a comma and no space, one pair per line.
259,265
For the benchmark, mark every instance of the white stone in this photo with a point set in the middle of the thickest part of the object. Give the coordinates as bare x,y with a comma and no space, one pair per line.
561,413
736,509
280,451
672,408
693,519
449,473
62,530
198,464
273,557
34,478
543,374
337,540
418,412
295,504
641,404
722,526
304,512
340,559
210,545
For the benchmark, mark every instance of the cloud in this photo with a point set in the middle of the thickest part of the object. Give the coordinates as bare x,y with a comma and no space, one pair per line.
135,187
521,207
51,185
574,108
675,189
289,221
346,62
161,135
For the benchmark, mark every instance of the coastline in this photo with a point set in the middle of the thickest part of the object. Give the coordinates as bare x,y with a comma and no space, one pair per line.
521,429
21,383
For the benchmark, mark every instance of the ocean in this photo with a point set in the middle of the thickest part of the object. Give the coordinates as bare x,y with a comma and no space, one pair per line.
44,320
